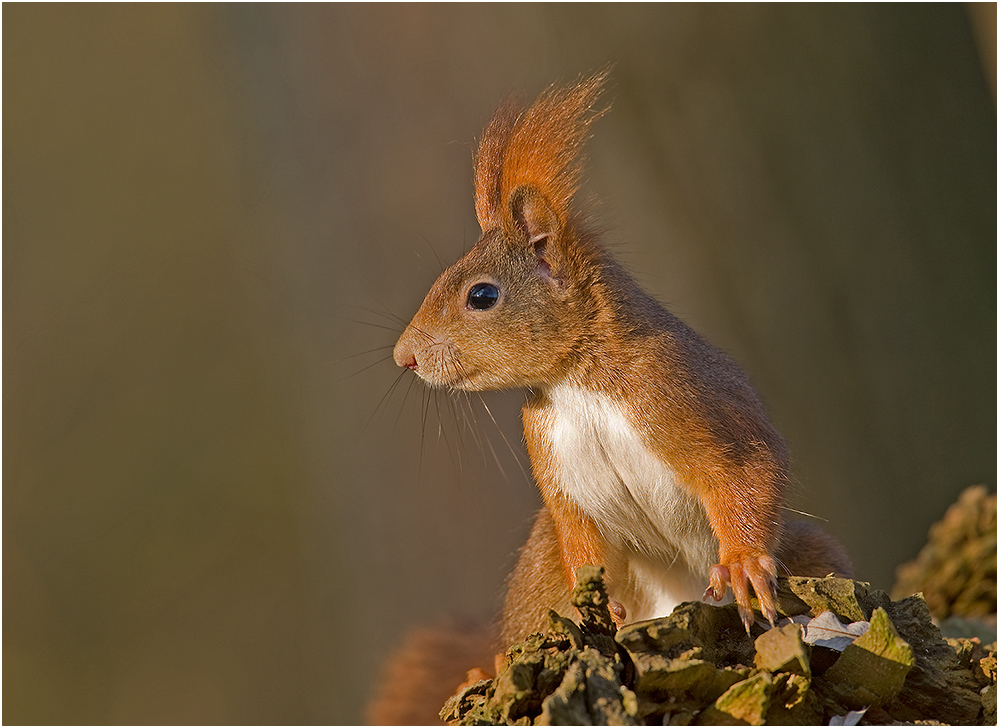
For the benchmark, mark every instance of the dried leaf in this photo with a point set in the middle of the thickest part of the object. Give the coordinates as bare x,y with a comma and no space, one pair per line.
826,630
851,718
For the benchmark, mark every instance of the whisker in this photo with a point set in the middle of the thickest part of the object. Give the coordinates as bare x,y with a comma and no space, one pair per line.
513,451
492,450
468,418
440,263
426,335
405,398
805,514
454,415
423,430
441,434
443,363
361,353
365,368
384,313
393,329
384,398
471,422
429,268
461,440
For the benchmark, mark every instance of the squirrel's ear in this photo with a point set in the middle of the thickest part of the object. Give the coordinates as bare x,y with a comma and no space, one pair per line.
533,215
539,226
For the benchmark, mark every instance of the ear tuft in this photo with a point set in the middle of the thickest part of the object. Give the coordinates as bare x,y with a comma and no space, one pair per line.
489,163
539,148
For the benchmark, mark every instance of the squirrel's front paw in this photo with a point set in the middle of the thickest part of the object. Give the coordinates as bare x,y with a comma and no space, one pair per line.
760,571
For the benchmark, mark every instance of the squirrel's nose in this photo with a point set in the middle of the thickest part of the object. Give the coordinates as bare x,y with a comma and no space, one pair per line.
403,353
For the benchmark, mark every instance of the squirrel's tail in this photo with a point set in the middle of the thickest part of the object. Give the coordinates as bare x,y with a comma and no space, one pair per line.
426,670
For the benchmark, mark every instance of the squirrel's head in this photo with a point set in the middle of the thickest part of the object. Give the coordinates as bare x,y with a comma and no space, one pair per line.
512,311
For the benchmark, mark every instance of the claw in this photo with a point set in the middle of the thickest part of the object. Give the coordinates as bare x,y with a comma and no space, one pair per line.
718,579
760,572
618,613
765,587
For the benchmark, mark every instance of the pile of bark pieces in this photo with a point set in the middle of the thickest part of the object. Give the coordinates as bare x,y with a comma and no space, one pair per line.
841,654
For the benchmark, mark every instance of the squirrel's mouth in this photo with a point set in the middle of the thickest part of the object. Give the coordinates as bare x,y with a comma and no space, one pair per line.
440,365
443,382
460,378
443,365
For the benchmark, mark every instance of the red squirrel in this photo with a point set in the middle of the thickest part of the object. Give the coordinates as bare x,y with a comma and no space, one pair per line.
652,451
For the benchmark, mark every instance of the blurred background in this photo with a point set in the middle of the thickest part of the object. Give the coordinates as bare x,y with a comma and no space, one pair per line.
222,505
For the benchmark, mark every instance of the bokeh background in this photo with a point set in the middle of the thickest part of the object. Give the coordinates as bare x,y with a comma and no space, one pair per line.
220,507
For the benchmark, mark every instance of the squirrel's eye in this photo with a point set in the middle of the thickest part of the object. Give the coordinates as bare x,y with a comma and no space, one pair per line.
482,296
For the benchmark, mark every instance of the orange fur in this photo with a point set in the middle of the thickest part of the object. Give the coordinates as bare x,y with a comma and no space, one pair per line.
540,148
425,671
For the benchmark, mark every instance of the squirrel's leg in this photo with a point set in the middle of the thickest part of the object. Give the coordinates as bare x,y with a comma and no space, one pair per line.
581,543
747,521
536,584
560,542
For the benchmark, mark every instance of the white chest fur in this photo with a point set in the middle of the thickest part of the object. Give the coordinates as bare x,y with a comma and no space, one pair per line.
634,498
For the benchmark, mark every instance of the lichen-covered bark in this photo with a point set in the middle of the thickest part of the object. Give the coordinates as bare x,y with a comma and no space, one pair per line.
867,658
699,666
